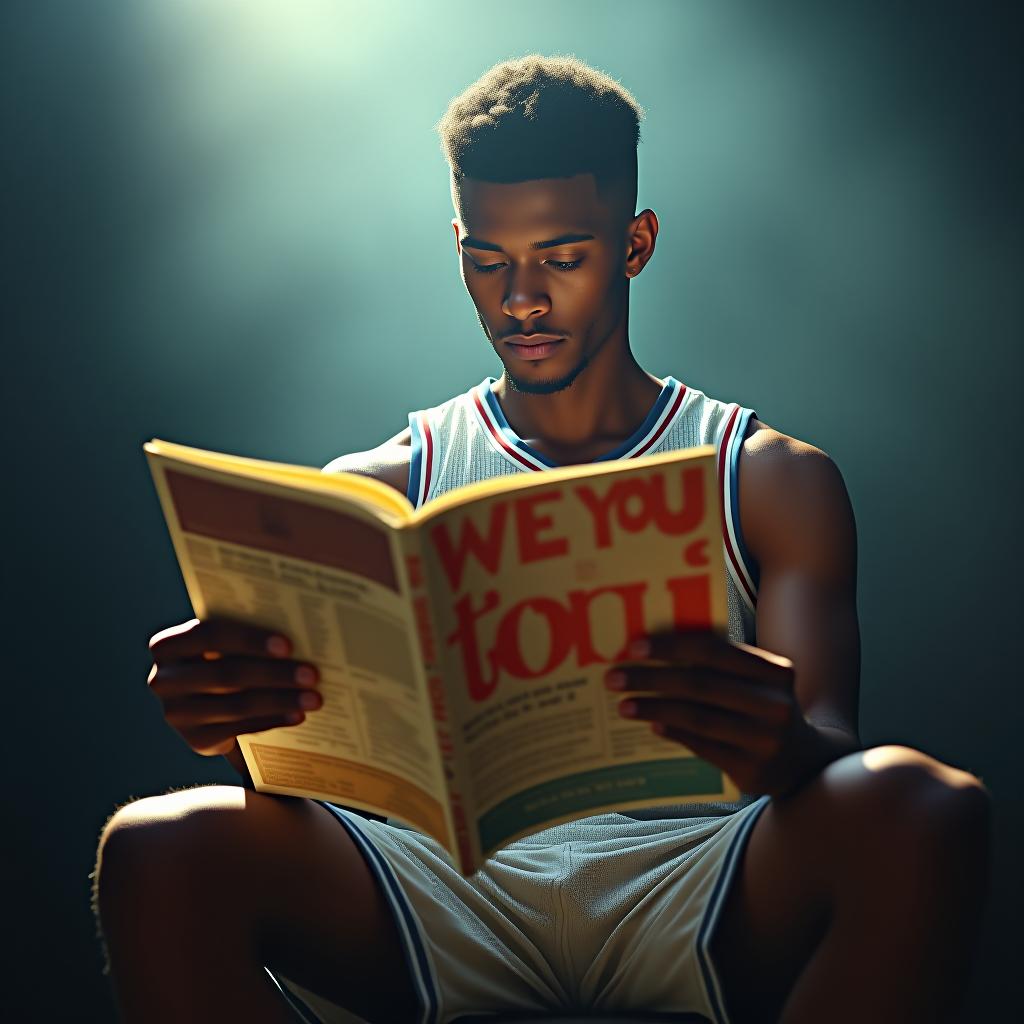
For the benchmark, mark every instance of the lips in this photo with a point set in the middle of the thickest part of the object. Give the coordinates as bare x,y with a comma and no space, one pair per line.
534,350
527,340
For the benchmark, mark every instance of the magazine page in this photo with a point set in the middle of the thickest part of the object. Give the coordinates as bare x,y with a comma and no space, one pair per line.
356,487
536,592
332,577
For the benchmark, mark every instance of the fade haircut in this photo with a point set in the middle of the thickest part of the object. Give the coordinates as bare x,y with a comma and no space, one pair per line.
545,117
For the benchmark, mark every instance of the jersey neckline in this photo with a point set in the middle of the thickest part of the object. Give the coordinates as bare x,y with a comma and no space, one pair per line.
657,421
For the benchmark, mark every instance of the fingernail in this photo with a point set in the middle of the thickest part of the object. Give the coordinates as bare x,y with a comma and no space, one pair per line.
627,708
640,647
615,680
309,700
278,645
305,675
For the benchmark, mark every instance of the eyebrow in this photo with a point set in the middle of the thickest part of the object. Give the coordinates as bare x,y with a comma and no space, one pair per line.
478,243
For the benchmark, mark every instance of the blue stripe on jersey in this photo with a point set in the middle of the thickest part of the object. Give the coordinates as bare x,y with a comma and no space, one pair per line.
412,492
645,428
742,552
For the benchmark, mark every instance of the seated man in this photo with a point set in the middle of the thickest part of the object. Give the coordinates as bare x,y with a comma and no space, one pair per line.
845,886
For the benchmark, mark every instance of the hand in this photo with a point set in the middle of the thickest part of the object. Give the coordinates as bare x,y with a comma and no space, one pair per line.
730,703
217,679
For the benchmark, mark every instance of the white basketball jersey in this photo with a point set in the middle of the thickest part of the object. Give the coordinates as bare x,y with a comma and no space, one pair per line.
467,439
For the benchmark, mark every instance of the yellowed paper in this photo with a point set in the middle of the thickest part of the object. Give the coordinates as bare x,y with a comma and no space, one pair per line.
333,580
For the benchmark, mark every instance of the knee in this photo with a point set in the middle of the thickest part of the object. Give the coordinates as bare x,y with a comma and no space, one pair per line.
898,787
158,836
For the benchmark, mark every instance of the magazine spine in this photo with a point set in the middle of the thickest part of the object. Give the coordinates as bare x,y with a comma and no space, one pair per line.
438,697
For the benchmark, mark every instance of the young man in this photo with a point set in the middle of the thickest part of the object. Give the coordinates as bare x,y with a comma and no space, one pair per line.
846,885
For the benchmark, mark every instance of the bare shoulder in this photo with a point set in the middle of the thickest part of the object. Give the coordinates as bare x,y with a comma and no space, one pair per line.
388,462
764,442
791,493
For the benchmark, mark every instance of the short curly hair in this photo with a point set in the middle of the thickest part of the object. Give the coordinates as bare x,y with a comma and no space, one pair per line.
544,117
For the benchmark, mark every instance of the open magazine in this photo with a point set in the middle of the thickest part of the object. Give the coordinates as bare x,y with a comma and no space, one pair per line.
461,646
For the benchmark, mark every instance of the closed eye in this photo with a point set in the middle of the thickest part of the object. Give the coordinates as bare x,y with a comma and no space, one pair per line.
490,268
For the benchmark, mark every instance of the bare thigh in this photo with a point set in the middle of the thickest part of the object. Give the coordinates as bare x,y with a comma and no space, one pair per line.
286,868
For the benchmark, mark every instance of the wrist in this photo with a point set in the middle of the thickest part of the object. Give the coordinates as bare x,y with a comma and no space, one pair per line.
237,761
817,747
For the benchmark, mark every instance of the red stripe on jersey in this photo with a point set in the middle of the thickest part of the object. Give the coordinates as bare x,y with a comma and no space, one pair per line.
496,434
665,423
428,455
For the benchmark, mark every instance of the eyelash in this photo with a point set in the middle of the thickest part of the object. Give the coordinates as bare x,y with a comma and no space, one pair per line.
564,267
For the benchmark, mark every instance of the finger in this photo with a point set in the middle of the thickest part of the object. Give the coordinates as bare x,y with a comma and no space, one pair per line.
706,648
229,675
739,731
217,637
706,686
219,739
191,712
721,755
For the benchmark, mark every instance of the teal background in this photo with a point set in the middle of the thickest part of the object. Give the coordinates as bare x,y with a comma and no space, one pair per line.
228,225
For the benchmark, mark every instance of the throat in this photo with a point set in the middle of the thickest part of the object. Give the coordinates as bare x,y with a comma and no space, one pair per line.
576,455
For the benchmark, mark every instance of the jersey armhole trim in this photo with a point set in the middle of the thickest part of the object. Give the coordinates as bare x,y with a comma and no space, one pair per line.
420,458
740,563
747,559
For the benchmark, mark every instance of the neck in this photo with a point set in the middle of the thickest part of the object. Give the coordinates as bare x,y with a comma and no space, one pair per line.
602,407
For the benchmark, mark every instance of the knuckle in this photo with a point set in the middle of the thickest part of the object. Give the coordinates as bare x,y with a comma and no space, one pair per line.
278,704
159,639
284,672
228,671
256,637
158,681
245,704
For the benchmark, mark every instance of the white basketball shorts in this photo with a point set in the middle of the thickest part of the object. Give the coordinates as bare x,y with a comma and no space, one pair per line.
603,914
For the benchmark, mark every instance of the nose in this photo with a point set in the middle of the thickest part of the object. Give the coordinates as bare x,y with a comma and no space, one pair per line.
523,301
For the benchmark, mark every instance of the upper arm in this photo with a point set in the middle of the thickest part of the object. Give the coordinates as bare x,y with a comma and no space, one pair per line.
403,437
388,462
798,523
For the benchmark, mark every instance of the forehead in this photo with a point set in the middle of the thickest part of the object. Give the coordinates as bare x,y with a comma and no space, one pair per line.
489,210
